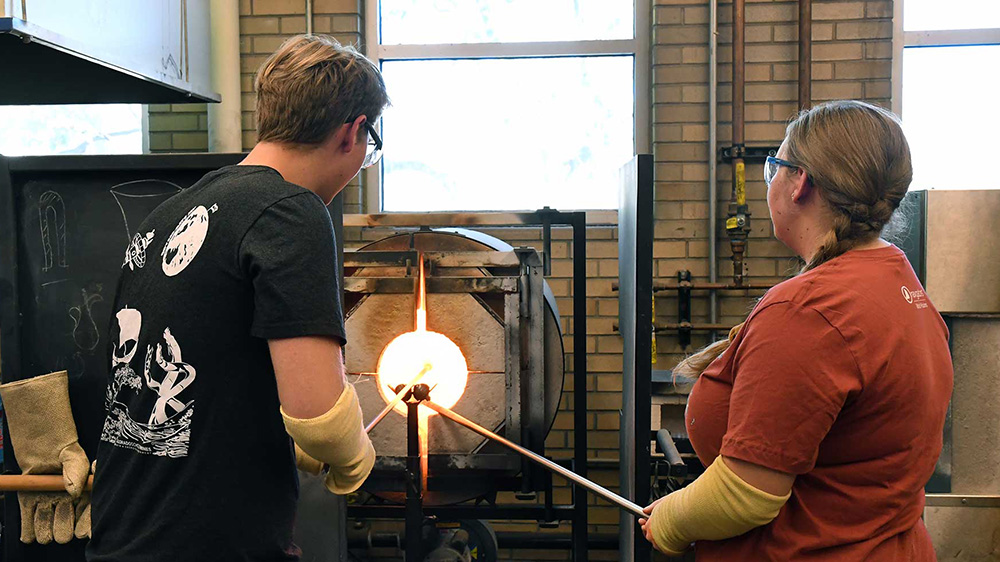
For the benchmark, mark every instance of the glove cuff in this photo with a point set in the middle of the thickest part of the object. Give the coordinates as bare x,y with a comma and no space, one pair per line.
336,438
718,505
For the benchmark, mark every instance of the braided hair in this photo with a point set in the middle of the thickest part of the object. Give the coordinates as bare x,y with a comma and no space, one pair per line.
859,161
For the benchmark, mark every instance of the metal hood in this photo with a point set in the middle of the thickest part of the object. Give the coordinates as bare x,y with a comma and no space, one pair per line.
105,51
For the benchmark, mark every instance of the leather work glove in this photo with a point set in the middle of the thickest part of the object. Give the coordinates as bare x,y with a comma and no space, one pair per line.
43,435
81,529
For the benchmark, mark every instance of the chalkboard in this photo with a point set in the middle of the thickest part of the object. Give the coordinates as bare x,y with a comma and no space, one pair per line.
65,222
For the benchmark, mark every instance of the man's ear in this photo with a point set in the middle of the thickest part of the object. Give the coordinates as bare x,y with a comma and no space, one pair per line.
352,134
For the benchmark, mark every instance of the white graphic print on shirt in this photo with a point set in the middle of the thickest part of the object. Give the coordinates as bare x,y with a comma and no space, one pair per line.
129,323
186,239
135,254
167,429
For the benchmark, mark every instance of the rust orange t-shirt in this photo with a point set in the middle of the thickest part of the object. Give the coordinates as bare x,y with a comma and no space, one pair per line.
841,376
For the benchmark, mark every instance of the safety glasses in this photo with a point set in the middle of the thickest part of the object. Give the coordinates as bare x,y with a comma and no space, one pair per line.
771,166
373,151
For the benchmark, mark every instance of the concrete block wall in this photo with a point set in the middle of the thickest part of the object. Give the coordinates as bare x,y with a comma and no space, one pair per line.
851,59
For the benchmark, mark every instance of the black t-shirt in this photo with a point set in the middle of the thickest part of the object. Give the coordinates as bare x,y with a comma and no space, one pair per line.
194,462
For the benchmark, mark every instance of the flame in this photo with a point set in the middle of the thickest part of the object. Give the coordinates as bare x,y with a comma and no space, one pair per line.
446,371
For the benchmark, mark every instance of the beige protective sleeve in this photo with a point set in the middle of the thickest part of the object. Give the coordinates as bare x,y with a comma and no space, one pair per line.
718,505
305,463
338,439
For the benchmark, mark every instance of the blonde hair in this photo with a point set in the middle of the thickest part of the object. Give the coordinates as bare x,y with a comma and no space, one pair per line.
857,157
311,86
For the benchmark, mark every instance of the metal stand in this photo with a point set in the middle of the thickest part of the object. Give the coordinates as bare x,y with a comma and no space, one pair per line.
414,484
635,298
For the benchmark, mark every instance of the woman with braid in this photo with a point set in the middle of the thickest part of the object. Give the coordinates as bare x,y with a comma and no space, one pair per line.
820,419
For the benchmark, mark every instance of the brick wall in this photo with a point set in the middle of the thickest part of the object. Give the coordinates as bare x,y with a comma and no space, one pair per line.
851,59
264,24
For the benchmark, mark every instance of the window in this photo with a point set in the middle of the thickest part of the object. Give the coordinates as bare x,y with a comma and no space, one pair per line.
507,105
34,130
945,91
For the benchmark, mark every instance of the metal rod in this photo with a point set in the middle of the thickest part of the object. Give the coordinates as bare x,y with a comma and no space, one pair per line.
399,396
36,483
674,326
453,512
309,17
674,286
715,327
957,500
546,245
416,220
713,181
612,497
582,514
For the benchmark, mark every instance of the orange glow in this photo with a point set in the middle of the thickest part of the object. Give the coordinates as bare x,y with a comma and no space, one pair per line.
423,416
409,354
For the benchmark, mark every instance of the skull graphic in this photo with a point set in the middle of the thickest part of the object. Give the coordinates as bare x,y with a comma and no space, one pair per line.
129,324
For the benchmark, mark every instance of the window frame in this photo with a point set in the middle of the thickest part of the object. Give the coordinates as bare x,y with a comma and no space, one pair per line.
638,47
902,39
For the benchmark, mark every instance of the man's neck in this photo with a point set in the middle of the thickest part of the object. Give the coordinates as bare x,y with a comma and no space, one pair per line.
299,166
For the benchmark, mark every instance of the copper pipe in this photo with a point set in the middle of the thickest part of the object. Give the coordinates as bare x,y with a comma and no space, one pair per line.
805,54
673,286
738,220
739,75
666,286
36,483
674,326
714,327
612,497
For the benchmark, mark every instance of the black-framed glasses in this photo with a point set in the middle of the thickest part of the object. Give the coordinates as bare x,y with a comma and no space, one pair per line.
373,151
771,166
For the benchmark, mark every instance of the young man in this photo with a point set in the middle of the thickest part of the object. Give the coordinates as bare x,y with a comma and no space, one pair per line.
227,337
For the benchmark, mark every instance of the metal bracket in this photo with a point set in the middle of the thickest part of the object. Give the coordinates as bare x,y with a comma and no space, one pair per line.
728,153
684,308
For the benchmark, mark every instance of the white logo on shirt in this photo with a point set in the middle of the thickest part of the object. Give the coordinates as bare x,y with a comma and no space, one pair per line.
186,239
135,254
165,430
916,298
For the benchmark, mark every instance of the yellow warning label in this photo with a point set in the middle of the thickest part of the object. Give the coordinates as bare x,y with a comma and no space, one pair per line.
741,184
475,553
731,223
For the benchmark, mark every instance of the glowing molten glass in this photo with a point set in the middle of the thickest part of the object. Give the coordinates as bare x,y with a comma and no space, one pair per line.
410,353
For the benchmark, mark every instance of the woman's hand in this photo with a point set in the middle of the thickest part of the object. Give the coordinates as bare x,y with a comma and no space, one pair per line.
647,529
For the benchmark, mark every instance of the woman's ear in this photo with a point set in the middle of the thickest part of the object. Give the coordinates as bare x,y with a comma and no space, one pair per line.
802,186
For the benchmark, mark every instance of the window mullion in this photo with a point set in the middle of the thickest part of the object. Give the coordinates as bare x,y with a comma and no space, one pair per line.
508,50
951,37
